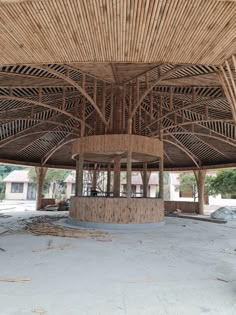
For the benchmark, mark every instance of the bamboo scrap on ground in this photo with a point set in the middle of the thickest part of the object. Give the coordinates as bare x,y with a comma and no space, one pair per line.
14,280
50,229
62,246
39,311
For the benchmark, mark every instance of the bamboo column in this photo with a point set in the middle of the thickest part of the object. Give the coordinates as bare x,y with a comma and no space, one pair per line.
40,173
94,181
79,175
161,178
117,176
108,180
129,162
129,173
200,176
145,178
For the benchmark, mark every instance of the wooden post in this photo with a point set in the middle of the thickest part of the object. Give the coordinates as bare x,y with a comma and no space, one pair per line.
161,181
129,162
145,184
94,182
108,180
145,178
129,173
200,176
79,175
117,176
40,173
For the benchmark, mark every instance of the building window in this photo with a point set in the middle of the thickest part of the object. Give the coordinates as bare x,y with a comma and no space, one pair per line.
17,187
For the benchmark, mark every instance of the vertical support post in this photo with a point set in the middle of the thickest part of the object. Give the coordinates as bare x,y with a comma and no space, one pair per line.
161,178
200,176
129,172
117,176
79,175
145,178
108,180
145,184
129,161
94,183
40,173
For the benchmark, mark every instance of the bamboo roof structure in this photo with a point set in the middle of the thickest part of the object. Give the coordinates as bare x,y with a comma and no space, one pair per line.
72,68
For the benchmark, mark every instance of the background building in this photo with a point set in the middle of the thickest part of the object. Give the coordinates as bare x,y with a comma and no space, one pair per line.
19,187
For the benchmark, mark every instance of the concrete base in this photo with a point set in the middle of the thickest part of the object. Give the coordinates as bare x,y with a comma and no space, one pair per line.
110,226
117,210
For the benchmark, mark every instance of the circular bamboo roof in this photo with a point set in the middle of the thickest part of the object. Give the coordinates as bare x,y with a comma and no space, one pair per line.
72,68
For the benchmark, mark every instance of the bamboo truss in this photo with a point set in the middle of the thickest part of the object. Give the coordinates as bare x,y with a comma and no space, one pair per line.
70,69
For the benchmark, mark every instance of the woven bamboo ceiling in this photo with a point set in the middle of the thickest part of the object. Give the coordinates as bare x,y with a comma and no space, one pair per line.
71,67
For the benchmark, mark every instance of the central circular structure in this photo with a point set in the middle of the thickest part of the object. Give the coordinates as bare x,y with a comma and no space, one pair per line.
117,210
114,150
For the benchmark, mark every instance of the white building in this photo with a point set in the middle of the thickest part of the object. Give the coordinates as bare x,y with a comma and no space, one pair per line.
19,187
137,185
177,195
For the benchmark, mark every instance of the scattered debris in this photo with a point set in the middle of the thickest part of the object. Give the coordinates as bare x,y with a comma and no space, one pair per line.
39,311
222,280
50,229
62,246
43,225
106,240
224,213
206,219
15,280
2,215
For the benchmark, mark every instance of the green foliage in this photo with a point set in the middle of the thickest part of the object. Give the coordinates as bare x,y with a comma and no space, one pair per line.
54,179
223,183
6,169
166,178
2,196
187,181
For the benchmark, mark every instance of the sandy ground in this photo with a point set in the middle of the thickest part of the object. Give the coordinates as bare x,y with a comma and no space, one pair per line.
181,267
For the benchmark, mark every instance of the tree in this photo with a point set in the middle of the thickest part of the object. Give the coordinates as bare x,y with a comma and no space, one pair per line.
187,183
223,183
54,180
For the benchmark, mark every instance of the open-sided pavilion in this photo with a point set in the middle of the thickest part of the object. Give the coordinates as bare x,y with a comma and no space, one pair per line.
142,85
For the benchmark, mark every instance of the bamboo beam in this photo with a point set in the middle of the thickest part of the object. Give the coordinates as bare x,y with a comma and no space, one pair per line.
184,150
77,86
162,77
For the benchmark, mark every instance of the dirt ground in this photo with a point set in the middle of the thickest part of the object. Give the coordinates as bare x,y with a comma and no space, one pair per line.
182,267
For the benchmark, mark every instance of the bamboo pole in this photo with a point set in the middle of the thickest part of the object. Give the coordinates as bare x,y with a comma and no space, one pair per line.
40,173
200,176
79,176
117,176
